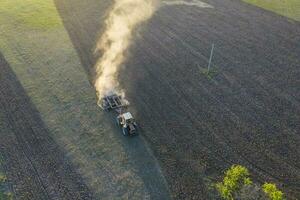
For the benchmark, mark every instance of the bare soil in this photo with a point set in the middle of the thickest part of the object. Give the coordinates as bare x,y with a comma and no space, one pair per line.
247,114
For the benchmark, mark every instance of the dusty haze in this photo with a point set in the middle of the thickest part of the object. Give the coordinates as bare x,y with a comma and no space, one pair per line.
121,22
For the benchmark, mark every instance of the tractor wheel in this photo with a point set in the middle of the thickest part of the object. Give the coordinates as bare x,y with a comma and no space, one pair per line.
125,131
117,122
136,129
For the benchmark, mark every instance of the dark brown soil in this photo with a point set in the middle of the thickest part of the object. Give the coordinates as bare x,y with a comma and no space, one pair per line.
247,114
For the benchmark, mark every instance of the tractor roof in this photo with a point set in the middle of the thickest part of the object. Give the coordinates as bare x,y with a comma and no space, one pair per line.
127,116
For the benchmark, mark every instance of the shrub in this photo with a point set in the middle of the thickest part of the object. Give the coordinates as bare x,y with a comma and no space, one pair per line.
6,196
235,178
2,178
272,192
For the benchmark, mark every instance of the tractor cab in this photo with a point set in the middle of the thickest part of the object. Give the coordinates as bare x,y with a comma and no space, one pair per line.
127,123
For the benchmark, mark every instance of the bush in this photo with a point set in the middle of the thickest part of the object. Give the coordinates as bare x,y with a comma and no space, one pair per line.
6,196
235,178
2,178
272,192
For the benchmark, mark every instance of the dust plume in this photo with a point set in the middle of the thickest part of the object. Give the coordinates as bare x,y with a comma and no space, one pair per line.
123,19
196,3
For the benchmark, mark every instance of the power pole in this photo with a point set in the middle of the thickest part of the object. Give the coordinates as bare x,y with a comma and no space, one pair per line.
211,55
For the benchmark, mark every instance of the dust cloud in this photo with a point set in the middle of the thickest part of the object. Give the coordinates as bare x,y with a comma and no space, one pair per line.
123,19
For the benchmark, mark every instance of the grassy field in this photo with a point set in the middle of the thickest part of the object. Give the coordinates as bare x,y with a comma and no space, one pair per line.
5,193
288,8
37,47
40,14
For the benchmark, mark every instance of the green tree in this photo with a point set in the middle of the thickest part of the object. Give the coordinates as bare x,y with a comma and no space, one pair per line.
235,178
272,192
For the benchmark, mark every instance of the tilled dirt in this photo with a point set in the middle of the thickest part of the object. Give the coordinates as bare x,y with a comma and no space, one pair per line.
248,113
34,164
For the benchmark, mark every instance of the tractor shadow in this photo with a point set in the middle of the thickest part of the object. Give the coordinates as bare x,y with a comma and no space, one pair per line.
84,22
142,160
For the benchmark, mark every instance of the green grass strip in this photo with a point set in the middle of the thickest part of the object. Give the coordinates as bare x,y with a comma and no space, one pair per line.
287,8
32,13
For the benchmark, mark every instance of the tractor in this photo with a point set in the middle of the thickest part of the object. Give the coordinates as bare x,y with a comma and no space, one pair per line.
124,119
127,124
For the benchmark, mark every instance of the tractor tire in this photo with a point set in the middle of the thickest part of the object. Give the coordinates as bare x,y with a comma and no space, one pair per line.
125,131
118,122
136,130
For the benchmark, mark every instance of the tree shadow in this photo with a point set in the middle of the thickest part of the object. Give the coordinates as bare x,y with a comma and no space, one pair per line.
84,22
36,166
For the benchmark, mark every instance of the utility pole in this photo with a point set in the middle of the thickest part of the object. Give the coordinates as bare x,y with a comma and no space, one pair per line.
211,55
